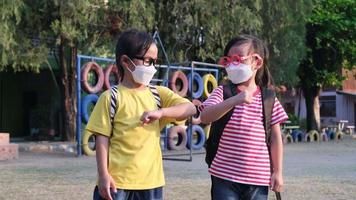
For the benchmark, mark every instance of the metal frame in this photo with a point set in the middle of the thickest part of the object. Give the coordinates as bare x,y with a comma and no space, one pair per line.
194,66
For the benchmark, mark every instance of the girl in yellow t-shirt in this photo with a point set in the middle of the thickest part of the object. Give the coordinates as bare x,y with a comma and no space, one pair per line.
128,153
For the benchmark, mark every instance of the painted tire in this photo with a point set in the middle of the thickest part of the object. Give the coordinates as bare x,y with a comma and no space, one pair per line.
85,144
339,135
331,135
200,140
174,132
111,69
324,137
312,136
196,79
196,119
297,135
179,75
207,130
92,66
89,99
287,138
208,78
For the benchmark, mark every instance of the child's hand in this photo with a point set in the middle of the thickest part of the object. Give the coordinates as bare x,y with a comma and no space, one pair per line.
244,97
106,183
276,182
150,116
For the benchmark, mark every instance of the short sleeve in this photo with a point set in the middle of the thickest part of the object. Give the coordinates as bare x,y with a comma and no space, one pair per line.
99,121
278,113
215,97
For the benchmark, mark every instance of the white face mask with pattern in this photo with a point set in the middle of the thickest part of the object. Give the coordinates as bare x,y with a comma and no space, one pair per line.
239,73
143,74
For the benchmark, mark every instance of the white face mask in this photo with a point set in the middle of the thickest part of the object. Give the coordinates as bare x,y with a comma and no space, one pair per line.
143,74
239,73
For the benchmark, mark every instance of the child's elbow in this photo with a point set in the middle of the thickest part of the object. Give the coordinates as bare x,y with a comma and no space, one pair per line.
204,118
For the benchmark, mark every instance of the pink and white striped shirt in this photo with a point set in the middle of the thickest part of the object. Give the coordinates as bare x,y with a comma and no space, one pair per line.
242,154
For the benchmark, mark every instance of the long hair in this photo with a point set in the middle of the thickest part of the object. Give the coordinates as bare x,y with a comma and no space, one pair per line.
132,43
263,75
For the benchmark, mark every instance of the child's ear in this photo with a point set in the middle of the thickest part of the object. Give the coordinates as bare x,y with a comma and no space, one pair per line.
259,63
124,60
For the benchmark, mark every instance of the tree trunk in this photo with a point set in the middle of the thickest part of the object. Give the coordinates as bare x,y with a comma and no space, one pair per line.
68,97
312,104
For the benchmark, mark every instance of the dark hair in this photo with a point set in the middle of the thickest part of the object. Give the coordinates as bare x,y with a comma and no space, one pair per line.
263,75
133,43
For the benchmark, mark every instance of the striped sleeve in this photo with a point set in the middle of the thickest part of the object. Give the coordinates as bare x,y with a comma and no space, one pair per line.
216,97
278,113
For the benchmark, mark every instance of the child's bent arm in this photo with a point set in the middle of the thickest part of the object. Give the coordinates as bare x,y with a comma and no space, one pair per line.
215,112
179,112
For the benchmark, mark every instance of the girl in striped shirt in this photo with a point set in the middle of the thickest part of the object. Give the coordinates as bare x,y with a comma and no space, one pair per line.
241,167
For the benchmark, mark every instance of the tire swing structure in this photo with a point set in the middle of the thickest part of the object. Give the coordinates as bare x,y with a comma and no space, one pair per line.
88,143
179,83
210,84
111,71
85,79
177,138
196,85
312,136
198,133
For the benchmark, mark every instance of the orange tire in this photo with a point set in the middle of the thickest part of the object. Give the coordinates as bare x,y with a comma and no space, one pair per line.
87,87
179,75
111,69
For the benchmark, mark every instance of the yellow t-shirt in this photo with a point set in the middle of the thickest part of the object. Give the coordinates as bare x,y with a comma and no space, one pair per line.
135,158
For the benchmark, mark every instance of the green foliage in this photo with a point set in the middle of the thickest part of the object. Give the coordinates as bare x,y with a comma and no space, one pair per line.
331,43
284,30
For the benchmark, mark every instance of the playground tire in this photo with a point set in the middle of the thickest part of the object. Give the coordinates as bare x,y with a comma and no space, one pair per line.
92,66
111,68
90,98
198,79
297,135
179,75
180,132
85,144
324,137
208,78
207,130
201,137
196,120
287,138
313,136
339,135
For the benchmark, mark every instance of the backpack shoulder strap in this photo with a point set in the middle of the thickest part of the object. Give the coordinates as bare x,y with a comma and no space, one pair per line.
268,98
113,103
155,93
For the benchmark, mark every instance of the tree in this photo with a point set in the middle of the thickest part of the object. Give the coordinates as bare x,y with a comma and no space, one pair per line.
34,28
284,30
331,46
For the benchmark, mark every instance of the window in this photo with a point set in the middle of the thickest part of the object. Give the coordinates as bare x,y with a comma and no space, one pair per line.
327,106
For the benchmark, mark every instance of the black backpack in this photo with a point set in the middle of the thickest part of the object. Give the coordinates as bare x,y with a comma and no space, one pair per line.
217,127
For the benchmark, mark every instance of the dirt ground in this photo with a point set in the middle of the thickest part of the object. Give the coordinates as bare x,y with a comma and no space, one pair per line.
316,171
